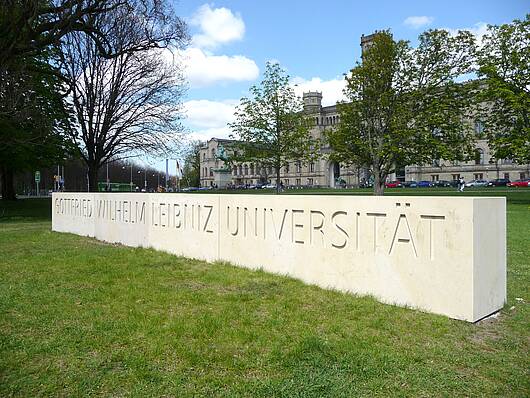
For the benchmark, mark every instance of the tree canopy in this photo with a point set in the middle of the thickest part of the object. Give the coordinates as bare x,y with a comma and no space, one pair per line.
504,67
34,120
271,127
126,105
404,106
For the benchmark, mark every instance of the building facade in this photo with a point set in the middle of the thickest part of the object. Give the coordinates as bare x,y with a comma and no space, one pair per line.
320,173
326,173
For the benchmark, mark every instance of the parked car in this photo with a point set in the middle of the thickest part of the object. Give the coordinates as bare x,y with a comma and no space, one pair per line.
269,186
476,183
366,184
393,184
409,184
519,183
425,184
498,182
442,183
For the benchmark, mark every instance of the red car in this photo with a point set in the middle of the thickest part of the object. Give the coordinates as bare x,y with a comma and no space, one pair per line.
393,184
519,183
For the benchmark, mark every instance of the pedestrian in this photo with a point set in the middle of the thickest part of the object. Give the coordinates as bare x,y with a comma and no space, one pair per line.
461,184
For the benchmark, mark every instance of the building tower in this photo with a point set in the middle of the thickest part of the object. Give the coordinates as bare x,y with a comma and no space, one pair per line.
367,41
312,102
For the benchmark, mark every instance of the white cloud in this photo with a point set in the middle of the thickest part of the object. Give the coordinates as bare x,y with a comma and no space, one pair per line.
417,22
478,30
207,119
204,69
331,89
218,26
209,114
206,134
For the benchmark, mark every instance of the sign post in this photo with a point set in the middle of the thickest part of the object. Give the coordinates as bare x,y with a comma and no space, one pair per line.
37,180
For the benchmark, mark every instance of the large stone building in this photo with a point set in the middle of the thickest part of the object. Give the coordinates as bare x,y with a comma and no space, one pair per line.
322,172
326,173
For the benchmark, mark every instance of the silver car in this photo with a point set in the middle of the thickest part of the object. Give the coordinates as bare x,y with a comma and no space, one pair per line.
477,183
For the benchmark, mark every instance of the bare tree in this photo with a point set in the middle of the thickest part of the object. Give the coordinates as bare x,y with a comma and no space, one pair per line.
124,105
28,27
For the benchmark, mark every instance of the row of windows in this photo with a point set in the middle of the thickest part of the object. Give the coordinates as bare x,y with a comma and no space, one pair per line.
327,120
205,172
476,176
479,159
245,169
331,120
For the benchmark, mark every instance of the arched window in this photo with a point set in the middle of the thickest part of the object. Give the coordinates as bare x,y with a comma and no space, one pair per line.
246,169
479,127
240,170
234,170
204,156
252,169
213,152
479,156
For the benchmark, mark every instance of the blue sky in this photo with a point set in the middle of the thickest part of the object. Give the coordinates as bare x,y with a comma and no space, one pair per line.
316,41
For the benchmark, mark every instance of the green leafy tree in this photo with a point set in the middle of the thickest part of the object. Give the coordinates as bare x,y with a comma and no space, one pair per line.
504,66
404,105
191,176
271,127
34,120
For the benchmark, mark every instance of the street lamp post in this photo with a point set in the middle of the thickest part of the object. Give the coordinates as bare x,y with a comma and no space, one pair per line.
108,182
131,181
145,178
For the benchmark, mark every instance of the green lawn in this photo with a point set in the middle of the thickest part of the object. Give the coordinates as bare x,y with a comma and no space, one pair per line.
79,317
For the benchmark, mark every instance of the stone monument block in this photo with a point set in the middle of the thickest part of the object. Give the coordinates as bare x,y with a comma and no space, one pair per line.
445,255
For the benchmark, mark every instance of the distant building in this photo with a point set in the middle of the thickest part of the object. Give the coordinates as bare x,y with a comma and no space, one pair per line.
326,173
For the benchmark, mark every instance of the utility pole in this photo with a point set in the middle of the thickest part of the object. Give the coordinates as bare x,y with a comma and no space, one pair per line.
108,177
167,160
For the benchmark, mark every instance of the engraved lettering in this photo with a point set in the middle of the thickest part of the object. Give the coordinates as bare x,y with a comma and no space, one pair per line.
296,226
431,218
208,216
340,229
375,216
314,227
405,235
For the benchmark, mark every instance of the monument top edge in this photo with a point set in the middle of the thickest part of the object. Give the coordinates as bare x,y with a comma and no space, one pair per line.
319,196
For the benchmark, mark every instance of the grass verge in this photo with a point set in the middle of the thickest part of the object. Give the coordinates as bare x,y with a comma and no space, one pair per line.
80,317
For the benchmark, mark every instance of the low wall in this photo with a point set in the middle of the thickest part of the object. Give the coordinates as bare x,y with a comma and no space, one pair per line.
445,255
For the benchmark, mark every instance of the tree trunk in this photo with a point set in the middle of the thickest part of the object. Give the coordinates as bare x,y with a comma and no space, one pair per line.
379,182
278,180
93,178
7,183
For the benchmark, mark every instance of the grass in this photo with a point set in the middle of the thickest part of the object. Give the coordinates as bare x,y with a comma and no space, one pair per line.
79,317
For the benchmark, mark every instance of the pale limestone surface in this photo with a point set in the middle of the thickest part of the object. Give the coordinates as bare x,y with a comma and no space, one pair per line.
439,254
